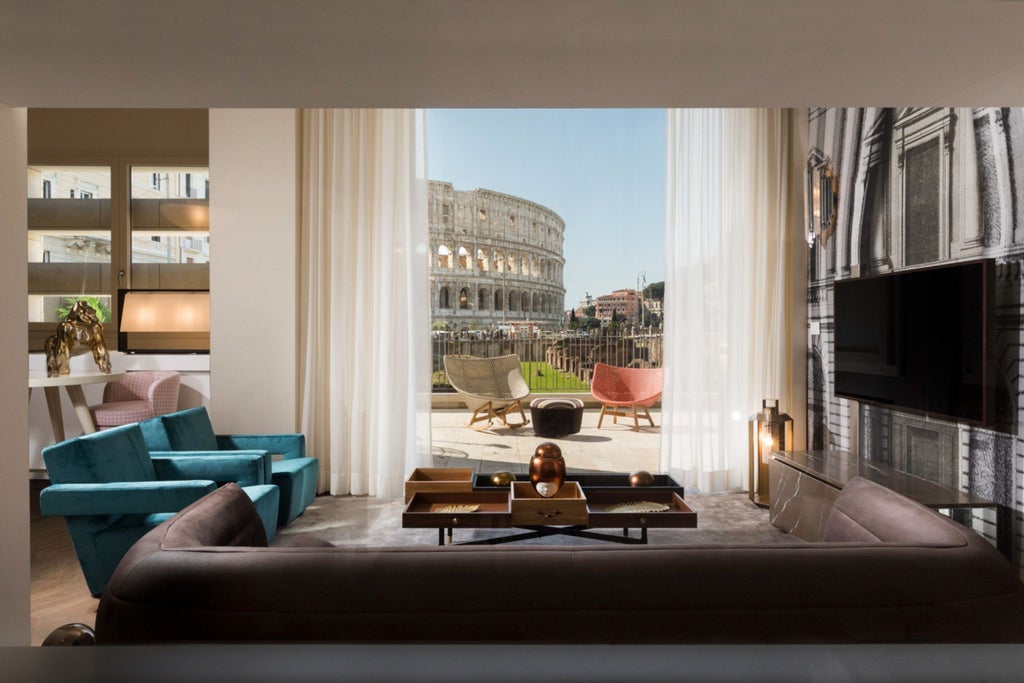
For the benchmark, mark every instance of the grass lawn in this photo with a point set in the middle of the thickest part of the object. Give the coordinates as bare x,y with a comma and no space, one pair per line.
543,378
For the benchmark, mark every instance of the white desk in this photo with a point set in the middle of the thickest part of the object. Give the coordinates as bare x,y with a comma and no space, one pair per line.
73,385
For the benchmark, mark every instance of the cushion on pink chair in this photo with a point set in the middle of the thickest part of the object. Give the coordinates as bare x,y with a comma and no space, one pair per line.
120,413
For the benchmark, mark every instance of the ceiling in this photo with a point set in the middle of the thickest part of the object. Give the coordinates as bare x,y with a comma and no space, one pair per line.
510,53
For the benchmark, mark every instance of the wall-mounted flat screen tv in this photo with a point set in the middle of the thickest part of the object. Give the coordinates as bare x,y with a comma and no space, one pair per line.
918,340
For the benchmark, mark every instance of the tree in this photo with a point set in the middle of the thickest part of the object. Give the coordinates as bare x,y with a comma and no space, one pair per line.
573,322
655,290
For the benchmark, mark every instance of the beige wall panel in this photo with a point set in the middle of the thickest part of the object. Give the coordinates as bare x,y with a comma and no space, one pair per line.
117,132
14,505
253,214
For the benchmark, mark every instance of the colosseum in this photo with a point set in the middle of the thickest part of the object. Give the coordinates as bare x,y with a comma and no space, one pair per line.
494,259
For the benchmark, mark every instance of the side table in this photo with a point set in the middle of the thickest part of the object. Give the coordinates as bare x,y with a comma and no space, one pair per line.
72,384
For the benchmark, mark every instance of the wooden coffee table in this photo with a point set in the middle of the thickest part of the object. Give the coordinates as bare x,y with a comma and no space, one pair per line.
583,504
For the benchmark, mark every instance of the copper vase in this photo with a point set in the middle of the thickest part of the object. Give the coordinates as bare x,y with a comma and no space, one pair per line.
547,469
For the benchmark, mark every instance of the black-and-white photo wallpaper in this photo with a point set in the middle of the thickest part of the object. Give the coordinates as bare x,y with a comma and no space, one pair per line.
920,187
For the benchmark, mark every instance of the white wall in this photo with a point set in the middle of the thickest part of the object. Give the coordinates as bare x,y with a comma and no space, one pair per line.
253,226
14,504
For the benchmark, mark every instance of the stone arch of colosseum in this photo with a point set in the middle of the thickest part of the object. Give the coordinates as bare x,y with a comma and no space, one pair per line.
494,258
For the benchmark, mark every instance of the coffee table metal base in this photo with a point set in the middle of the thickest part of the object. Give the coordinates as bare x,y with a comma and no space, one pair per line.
578,531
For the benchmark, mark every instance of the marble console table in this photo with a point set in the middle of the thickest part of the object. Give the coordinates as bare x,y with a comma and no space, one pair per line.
804,485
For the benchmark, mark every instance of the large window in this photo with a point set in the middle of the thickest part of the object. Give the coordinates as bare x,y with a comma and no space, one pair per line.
69,239
93,230
170,228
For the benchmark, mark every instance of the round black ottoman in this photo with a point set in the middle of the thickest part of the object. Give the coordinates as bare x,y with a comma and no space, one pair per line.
553,417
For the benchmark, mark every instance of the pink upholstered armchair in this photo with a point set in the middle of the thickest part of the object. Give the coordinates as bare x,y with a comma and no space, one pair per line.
137,396
620,388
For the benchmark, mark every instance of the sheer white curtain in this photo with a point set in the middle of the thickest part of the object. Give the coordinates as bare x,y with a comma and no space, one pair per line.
729,230
364,369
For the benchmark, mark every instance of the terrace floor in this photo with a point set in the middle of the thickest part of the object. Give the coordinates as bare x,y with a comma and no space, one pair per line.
613,448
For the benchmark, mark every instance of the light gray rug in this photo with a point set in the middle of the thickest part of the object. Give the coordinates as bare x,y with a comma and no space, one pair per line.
366,521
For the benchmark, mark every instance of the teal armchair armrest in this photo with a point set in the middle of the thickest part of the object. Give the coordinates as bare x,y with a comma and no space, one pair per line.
289,446
245,468
122,498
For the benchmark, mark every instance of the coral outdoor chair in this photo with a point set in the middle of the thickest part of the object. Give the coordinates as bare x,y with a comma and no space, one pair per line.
491,387
136,397
620,388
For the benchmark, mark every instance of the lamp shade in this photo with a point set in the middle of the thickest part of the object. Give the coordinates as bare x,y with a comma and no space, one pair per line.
169,311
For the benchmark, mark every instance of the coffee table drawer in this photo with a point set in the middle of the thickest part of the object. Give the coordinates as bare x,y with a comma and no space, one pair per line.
601,506
568,507
428,510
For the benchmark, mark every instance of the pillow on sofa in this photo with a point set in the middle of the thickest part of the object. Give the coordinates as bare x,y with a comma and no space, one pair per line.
226,516
865,511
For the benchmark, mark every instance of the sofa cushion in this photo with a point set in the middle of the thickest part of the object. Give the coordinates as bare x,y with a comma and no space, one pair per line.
301,541
226,516
190,430
867,512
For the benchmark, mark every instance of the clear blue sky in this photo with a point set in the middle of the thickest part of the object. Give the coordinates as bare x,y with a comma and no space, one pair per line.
601,170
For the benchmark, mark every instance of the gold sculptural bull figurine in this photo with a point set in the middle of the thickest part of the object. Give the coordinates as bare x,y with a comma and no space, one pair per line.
81,328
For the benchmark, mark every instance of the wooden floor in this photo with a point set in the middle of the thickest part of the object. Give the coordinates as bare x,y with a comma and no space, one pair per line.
59,593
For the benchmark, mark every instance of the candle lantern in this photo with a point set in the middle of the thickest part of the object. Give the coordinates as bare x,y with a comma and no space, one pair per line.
769,430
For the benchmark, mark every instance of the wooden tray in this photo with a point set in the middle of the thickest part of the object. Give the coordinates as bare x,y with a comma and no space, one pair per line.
590,481
568,507
422,510
679,514
438,479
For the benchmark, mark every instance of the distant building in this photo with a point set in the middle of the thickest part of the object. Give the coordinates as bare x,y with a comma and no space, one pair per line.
494,259
623,302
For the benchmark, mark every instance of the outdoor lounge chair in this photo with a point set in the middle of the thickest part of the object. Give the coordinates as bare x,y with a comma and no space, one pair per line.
491,387
620,388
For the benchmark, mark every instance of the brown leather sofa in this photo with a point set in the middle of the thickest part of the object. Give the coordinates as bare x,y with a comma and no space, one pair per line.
889,571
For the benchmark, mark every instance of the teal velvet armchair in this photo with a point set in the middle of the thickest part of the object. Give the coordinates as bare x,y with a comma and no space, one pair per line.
111,491
288,467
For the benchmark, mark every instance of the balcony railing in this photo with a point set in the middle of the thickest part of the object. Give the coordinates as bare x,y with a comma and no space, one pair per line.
552,363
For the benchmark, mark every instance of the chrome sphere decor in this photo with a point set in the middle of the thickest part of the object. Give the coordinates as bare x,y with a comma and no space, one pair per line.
547,469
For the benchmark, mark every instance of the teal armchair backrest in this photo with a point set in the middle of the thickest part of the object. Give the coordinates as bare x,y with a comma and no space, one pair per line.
117,454
185,430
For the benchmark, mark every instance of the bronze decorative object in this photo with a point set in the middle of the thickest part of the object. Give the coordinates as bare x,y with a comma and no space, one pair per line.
641,478
80,328
547,469
502,478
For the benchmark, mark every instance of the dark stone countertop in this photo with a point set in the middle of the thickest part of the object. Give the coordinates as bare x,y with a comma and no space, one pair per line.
838,467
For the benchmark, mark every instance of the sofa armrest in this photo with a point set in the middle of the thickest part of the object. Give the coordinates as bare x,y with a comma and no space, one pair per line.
287,445
122,498
245,468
